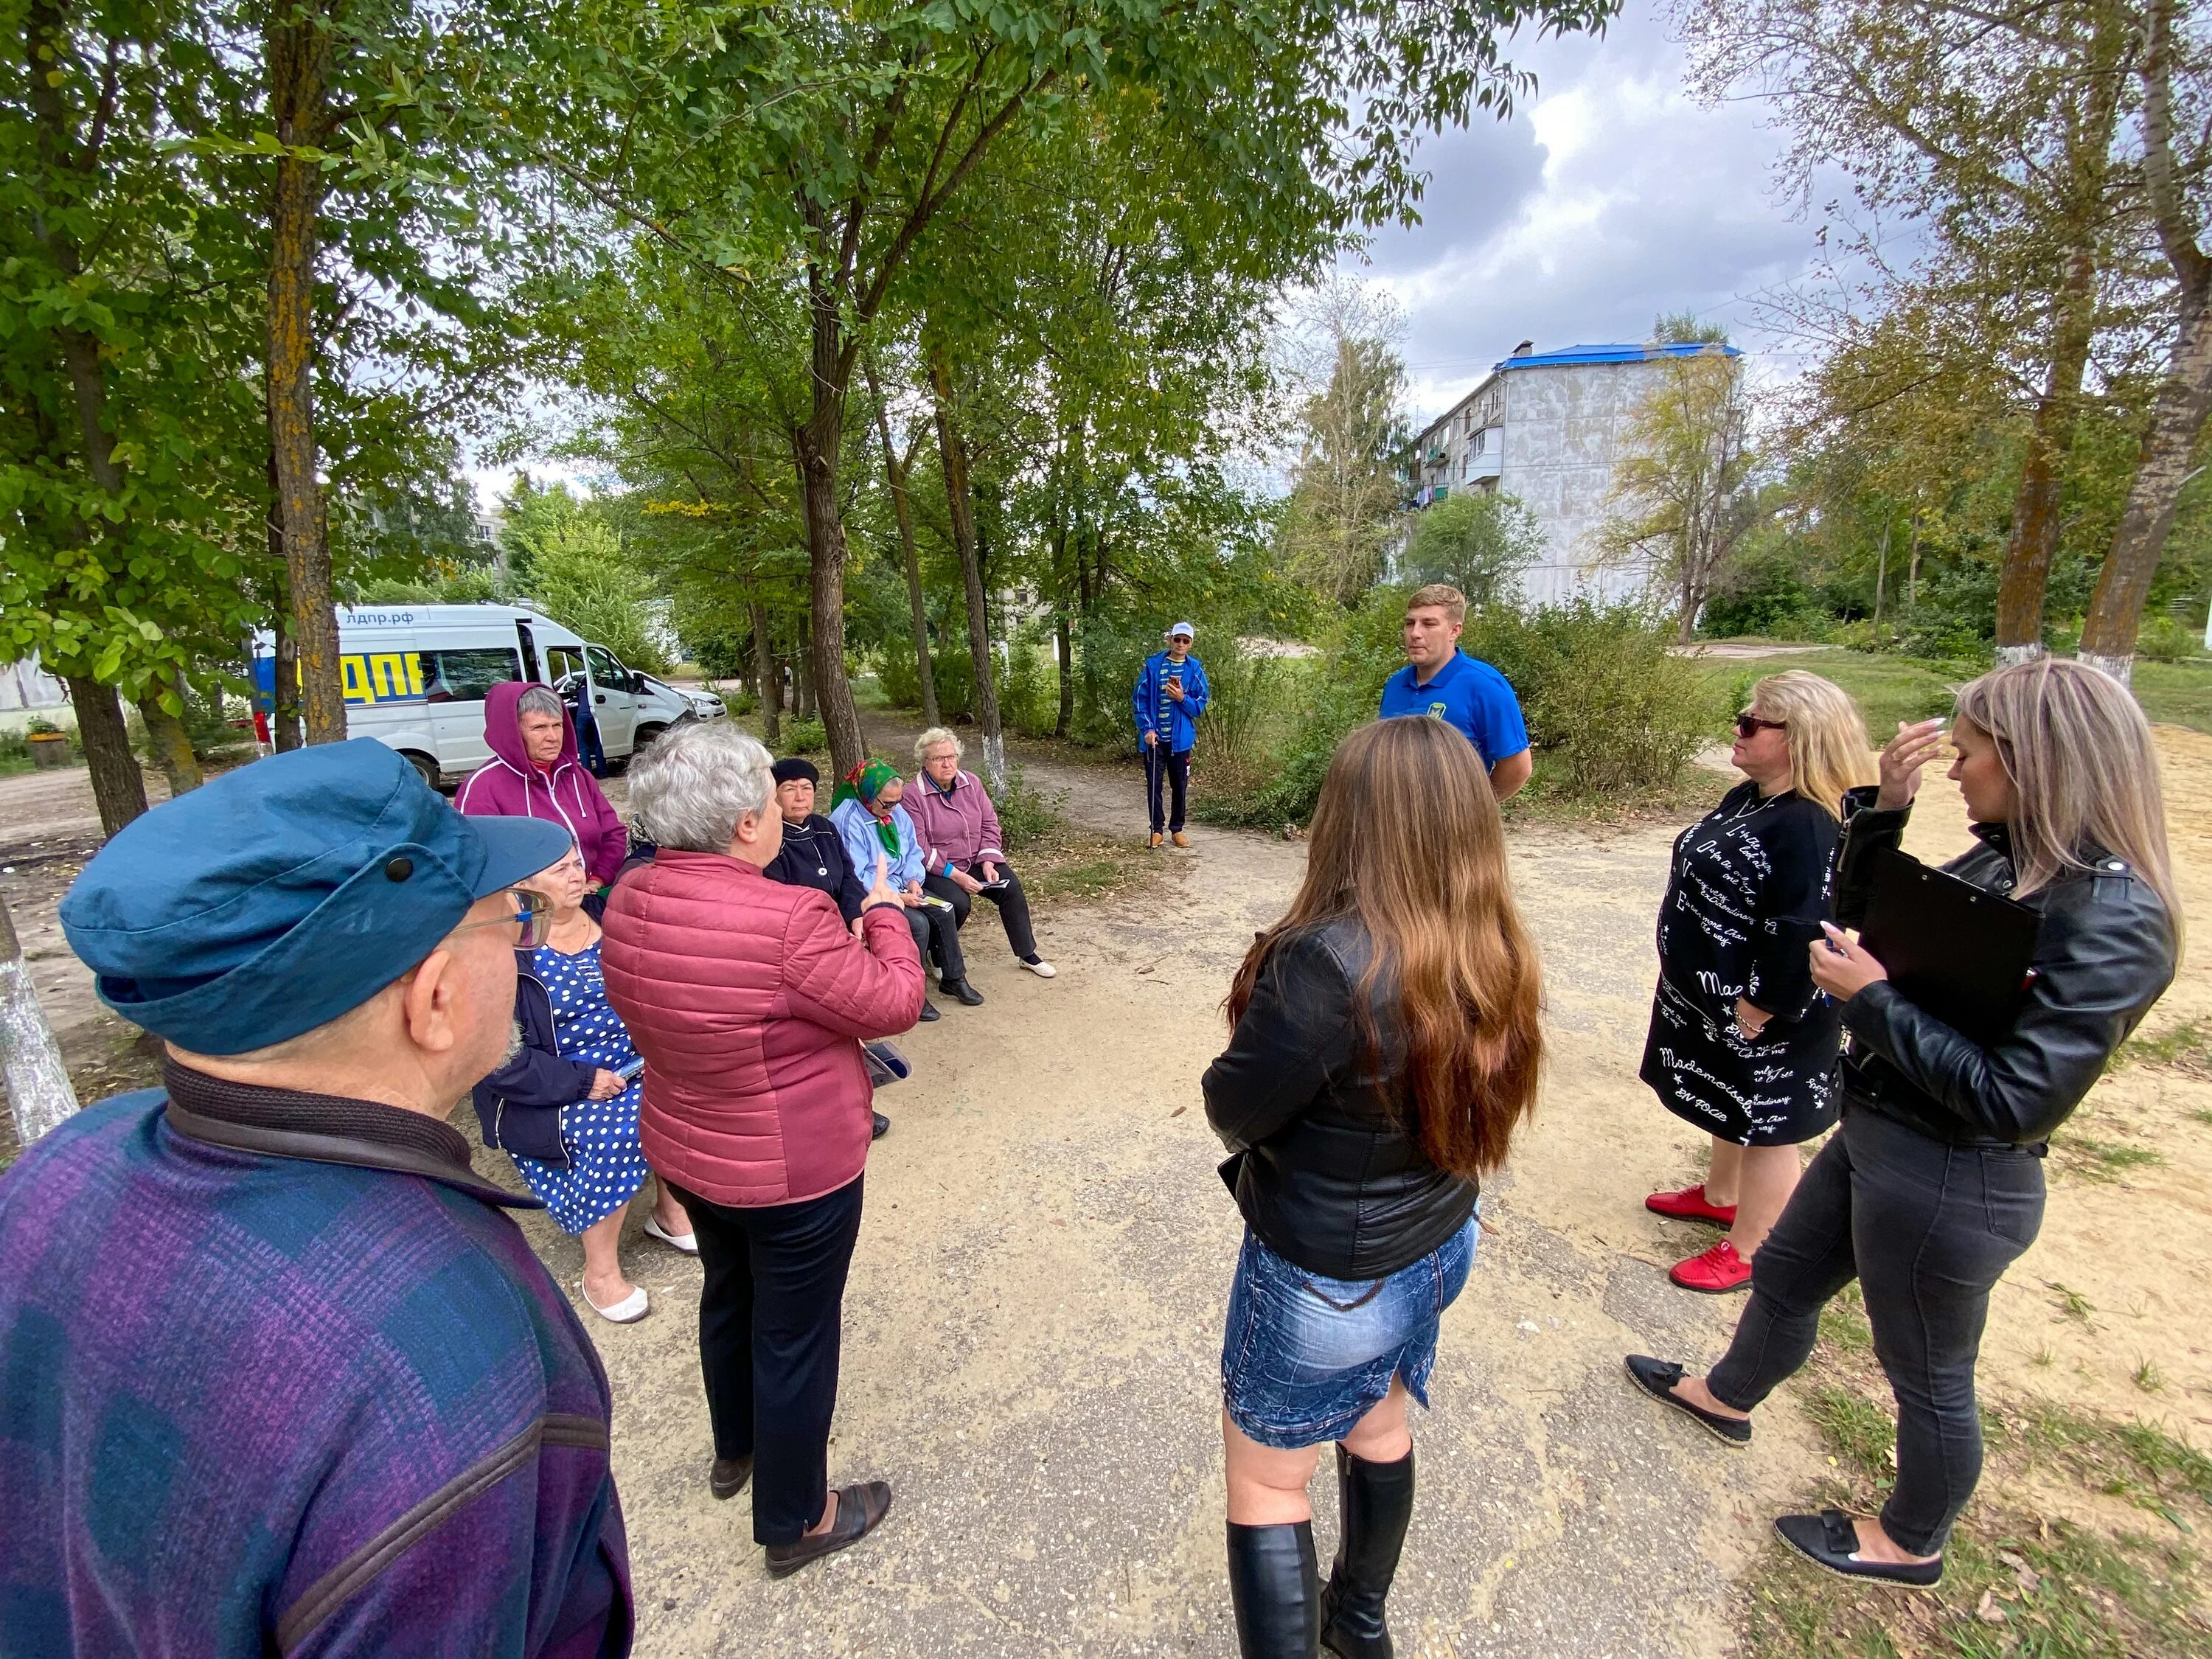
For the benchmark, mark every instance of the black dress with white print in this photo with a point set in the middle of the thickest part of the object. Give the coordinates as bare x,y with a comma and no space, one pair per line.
1750,888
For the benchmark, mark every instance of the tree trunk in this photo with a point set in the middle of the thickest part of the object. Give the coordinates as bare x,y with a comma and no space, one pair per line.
2108,633
814,449
771,690
298,58
1063,653
118,786
284,674
1881,573
166,737
897,472
960,507
2035,511
40,1093
805,700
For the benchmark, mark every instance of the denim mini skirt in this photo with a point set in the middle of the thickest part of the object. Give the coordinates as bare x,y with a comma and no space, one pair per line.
1304,1357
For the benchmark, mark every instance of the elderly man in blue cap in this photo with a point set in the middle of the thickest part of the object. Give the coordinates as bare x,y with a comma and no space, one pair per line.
1169,696
280,1375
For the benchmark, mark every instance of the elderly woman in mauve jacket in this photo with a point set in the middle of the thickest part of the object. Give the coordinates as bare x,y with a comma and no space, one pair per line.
749,1000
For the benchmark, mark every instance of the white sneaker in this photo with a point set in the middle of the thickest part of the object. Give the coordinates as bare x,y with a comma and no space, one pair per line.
1041,968
628,1311
687,1242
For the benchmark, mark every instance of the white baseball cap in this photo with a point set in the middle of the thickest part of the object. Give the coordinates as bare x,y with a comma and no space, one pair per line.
1184,629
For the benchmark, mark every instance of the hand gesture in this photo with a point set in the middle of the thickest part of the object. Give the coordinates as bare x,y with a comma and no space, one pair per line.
1902,757
1841,966
912,896
1174,689
605,1085
883,892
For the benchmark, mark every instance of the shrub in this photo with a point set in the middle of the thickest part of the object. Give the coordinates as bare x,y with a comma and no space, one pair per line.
805,738
2167,639
1249,710
1025,812
587,580
1612,714
741,701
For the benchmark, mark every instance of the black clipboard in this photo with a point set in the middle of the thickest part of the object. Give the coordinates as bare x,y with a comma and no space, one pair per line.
1963,954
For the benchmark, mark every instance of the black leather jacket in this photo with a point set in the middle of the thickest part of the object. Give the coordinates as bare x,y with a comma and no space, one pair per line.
2104,955
1320,1166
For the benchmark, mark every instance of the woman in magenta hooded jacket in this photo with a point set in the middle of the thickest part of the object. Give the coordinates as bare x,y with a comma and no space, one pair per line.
534,773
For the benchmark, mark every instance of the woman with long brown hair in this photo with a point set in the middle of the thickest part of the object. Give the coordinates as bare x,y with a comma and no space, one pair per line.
1386,1047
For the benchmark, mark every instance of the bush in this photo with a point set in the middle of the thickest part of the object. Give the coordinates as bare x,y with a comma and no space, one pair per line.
740,701
1025,812
2167,639
1612,714
586,580
805,738
1249,710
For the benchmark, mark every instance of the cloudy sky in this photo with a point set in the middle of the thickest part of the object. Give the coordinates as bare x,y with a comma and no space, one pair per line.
1610,198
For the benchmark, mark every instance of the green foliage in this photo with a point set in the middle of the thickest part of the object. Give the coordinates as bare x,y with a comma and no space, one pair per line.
1479,541
805,738
582,577
1026,812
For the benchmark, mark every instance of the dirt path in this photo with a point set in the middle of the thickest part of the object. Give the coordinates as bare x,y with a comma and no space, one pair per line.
1033,1326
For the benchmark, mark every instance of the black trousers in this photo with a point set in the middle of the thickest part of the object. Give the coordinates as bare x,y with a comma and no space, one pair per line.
1014,903
1927,1229
770,1322
1173,770
937,934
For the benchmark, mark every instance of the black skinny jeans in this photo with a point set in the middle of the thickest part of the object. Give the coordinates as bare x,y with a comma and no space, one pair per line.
1013,904
937,932
770,1320
1927,1229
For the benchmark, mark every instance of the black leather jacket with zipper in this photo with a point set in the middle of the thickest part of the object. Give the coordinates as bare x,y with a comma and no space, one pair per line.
1320,1164
2104,953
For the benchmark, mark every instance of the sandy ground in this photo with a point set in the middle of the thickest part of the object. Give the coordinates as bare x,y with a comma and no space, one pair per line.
1033,1326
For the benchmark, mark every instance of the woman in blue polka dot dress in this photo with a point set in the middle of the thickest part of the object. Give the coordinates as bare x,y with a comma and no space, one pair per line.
591,1165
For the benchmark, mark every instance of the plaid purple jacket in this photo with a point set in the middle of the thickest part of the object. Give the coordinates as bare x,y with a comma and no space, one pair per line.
250,1404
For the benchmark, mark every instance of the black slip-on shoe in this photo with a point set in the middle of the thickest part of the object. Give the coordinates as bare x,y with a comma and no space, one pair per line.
962,993
728,1476
1657,1378
929,1011
882,1129
860,1509
1829,1540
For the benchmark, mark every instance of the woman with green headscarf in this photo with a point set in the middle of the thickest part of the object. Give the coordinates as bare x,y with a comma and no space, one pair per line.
869,818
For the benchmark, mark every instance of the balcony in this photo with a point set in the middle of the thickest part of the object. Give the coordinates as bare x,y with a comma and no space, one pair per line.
1486,455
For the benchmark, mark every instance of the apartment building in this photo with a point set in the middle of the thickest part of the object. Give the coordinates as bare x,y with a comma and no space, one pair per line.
1549,426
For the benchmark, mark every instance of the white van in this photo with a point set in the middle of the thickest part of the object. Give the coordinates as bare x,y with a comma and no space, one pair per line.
415,677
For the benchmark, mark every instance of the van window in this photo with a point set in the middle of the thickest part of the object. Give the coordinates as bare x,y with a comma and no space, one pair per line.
561,662
608,671
465,676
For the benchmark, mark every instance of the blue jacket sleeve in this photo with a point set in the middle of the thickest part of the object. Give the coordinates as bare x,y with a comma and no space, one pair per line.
852,891
1143,698
1195,689
540,1077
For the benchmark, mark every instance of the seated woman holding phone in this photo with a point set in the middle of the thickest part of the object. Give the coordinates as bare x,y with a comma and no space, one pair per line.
565,1108
1934,1185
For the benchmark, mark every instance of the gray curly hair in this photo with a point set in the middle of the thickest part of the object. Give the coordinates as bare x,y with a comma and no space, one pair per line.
689,789
929,740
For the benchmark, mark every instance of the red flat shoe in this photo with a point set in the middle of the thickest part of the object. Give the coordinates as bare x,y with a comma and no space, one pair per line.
1690,1205
1713,1271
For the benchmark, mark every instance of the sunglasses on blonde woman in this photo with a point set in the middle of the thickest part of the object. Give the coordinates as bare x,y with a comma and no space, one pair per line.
1749,725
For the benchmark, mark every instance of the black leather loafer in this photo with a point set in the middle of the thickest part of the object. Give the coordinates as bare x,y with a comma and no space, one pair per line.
1657,1378
929,1011
728,1476
859,1511
962,992
1829,1540
882,1127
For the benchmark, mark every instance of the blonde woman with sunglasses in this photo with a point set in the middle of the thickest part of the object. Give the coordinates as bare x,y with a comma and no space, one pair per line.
1741,1044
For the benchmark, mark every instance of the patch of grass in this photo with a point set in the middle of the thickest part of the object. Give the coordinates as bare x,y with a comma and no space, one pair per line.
2203,1115
2102,1160
2179,693
2148,1377
2186,1046
1092,879
1843,1322
1858,1431
1887,688
2072,1304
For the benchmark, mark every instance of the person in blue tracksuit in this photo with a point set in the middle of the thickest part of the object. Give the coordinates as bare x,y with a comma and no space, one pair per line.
1169,696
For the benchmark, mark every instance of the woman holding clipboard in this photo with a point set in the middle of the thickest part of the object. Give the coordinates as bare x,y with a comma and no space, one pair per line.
1934,1185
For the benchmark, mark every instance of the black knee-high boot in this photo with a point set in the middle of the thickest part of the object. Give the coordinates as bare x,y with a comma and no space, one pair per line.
1273,1585
1377,1503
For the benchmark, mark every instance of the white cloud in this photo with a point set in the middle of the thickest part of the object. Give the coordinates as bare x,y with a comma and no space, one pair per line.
1610,198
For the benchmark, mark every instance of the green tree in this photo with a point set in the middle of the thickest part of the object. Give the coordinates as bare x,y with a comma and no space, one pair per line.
583,579
1686,492
1479,541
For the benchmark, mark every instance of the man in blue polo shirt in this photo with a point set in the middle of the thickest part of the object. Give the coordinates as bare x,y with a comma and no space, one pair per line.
1440,680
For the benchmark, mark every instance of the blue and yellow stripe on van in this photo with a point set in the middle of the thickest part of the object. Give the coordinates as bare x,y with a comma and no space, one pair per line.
382,677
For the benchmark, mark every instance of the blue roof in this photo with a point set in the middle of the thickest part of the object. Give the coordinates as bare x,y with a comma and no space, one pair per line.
1607,354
